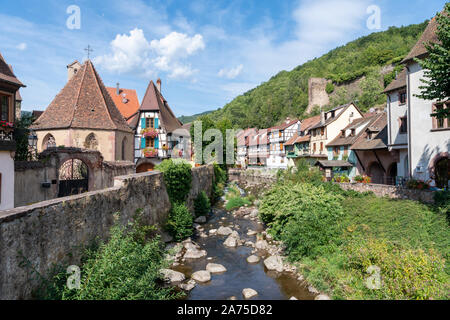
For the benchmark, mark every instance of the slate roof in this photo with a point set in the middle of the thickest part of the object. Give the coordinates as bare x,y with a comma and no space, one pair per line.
398,83
429,35
7,75
330,120
126,107
154,101
333,163
379,141
83,103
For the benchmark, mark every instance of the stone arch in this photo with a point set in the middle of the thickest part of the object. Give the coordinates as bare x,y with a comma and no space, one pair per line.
73,177
91,142
124,148
376,172
144,165
440,169
48,142
392,173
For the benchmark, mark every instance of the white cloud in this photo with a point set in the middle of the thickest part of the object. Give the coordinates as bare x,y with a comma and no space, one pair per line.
22,46
133,53
231,73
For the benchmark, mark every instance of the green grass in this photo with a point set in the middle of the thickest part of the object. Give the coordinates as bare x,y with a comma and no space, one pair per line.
237,202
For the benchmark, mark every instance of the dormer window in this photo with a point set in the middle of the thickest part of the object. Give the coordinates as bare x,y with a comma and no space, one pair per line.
353,132
343,133
333,114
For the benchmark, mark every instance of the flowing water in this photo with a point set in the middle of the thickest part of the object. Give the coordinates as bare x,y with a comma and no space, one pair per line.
240,274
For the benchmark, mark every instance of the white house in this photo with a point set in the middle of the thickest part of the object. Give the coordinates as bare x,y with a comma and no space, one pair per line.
9,86
428,137
278,136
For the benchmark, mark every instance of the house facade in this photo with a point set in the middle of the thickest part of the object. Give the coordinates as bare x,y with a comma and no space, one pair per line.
158,133
258,150
428,136
9,86
278,136
83,115
243,138
329,127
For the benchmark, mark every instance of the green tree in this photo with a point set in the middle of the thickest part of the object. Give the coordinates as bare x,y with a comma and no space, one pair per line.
437,64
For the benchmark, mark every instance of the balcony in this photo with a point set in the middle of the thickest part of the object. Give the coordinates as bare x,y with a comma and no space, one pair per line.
7,141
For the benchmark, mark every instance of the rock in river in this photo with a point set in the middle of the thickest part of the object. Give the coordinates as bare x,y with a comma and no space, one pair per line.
201,220
274,263
202,276
253,259
172,276
261,245
215,268
322,297
224,231
249,293
231,242
195,254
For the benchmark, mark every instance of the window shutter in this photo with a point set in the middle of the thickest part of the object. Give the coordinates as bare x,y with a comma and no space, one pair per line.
142,143
143,123
156,123
156,143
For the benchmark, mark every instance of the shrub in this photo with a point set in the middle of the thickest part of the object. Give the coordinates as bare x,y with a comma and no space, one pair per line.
329,88
405,273
237,202
442,201
202,206
220,178
417,184
303,216
180,222
341,178
178,179
363,179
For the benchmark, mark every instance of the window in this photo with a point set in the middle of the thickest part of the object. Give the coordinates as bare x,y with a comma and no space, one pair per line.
353,132
149,123
441,123
343,133
403,124
281,147
314,147
402,97
322,131
336,151
149,143
321,146
4,108
279,134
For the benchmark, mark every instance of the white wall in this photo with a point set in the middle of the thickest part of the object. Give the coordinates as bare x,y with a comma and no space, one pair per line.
7,183
425,144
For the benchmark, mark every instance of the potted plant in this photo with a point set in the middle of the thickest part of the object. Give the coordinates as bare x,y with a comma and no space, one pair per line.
149,133
150,152
6,125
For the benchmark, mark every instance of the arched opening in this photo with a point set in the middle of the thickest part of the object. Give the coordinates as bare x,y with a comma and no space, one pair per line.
392,174
48,142
91,142
124,148
376,173
442,173
145,167
73,178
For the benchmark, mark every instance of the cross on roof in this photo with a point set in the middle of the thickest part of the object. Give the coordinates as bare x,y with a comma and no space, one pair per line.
89,50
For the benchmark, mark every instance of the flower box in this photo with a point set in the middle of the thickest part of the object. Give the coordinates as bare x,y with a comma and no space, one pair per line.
150,152
149,133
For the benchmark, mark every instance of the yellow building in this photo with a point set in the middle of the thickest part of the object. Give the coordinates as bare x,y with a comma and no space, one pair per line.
83,115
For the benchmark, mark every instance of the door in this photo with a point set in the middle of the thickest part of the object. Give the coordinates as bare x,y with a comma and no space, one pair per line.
442,173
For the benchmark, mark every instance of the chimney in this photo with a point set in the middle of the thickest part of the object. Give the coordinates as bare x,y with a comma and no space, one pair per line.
118,88
322,117
158,85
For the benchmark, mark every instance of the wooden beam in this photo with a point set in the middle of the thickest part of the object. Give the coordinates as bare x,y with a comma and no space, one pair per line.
379,161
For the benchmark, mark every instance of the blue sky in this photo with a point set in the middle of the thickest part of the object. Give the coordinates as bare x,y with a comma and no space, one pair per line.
205,52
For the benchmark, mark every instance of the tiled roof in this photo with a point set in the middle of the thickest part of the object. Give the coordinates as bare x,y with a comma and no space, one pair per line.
284,125
83,103
334,163
154,101
429,35
244,135
330,120
349,140
377,142
127,101
7,75
398,83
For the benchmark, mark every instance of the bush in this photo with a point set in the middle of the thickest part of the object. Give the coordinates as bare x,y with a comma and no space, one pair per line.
405,273
303,216
417,184
442,201
329,88
202,206
363,179
180,222
220,178
237,202
178,179
341,178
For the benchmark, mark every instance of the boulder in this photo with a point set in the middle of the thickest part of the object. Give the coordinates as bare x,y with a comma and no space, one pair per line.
249,293
172,276
251,233
322,297
215,268
195,254
201,276
201,220
261,245
254,213
274,263
213,231
224,231
231,242
313,290
235,235
253,259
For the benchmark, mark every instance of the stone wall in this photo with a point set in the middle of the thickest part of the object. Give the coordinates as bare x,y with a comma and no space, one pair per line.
56,231
317,94
393,192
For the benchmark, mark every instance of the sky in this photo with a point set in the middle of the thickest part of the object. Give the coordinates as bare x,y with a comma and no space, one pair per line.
205,52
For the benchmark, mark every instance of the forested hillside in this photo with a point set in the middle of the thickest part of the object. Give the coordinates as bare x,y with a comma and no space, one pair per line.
286,94
188,119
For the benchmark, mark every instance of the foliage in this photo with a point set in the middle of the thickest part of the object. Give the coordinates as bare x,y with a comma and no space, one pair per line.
371,92
329,88
220,178
303,173
437,64
189,119
417,184
303,216
286,94
363,179
178,179
21,137
180,222
442,202
389,77
237,202
202,205
341,178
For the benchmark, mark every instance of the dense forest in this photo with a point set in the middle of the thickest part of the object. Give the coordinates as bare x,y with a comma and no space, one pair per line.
286,94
